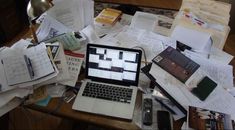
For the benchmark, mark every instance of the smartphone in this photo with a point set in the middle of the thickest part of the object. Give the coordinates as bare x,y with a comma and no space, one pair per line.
163,120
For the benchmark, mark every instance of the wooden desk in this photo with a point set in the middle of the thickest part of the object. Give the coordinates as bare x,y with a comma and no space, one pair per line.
66,111
165,4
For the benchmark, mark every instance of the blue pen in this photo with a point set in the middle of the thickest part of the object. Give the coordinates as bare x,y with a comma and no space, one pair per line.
29,66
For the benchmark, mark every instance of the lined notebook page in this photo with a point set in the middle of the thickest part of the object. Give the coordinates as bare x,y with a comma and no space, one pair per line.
16,70
41,63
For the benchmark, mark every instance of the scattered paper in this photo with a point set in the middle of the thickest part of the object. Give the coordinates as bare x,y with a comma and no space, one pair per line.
181,94
10,106
49,28
193,38
56,90
21,44
144,21
220,73
9,95
68,12
90,33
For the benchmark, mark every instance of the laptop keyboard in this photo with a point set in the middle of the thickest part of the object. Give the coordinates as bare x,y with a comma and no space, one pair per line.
108,92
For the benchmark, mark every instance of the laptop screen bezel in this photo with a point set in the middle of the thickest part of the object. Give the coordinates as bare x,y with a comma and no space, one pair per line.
112,81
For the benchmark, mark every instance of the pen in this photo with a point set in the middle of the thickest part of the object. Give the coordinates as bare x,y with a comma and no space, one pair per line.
29,66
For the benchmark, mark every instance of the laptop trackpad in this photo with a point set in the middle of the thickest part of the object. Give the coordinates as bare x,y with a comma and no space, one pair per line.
103,107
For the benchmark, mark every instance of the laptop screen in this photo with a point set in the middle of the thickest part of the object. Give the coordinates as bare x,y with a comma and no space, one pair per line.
113,64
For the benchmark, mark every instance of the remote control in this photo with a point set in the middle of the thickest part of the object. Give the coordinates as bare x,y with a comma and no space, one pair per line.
147,111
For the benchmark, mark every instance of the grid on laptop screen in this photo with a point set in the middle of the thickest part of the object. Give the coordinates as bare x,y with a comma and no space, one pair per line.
113,64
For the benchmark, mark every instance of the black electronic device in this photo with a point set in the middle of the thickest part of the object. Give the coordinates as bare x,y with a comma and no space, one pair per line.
147,111
163,120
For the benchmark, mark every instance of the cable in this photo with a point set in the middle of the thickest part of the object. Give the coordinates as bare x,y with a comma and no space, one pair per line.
145,58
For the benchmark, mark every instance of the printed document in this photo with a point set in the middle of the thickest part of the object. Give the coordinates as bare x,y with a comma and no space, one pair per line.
50,28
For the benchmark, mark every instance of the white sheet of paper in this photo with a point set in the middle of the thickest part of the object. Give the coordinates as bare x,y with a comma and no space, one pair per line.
143,20
10,106
56,90
44,69
221,73
49,28
88,7
21,44
69,12
151,42
195,39
3,80
90,33
16,70
232,91
9,95
220,56
40,60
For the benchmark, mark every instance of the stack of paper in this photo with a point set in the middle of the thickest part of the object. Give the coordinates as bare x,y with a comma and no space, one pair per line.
202,17
74,14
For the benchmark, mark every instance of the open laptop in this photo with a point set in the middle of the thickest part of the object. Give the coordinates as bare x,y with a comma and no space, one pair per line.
112,75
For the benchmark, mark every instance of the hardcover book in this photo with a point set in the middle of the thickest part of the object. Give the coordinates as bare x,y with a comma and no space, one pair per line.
108,16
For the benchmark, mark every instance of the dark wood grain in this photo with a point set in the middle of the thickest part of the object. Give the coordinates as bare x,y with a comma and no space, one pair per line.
165,4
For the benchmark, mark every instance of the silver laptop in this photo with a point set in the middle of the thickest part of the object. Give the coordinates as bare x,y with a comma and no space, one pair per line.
112,75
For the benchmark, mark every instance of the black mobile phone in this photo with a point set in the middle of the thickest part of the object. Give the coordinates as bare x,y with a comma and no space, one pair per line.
163,120
204,88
